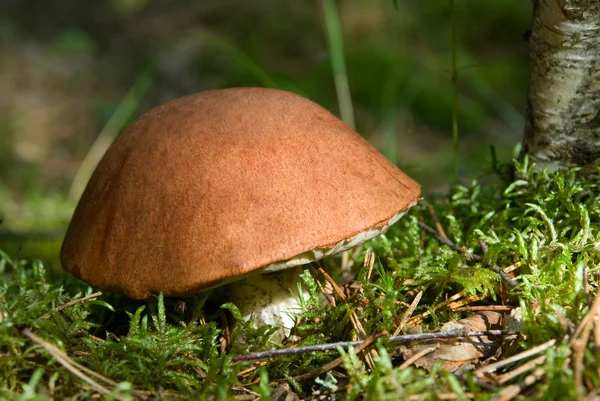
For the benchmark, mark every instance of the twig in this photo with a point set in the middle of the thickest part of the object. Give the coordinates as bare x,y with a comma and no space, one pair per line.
70,303
226,334
497,308
338,361
345,260
436,221
408,313
345,344
358,327
422,234
333,284
327,294
417,356
461,302
251,369
419,318
65,361
526,367
144,393
484,247
597,332
98,339
578,350
580,340
512,268
587,320
513,391
523,355
245,390
76,368
508,280
369,261
443,240
586,287
479,382
443,396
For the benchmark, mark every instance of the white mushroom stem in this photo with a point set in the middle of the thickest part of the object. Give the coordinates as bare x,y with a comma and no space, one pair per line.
270,298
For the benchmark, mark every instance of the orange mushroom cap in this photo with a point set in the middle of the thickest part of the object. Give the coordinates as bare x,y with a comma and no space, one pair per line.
217,185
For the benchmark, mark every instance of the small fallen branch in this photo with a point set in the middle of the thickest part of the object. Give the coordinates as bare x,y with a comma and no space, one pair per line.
515,358
66,362
70,303
79,370
338,361
480,308
413,321
411,309
346,344
416,357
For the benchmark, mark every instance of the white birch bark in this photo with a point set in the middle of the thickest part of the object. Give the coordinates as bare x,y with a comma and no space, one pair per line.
563,124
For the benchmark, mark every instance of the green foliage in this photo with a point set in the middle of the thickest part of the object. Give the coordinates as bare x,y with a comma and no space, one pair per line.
159,355
545,224
25,297
160,350
386,382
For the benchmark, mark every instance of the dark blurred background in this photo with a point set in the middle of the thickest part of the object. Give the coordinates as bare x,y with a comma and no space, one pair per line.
66,66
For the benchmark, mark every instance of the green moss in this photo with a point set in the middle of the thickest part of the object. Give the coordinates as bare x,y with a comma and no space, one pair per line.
546,224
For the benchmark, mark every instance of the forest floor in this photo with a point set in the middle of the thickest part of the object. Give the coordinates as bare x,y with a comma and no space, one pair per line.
489,291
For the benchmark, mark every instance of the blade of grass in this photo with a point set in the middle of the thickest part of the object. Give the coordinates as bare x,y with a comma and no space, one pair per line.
333,30
65,361
454,89
389,93
129,104
241,59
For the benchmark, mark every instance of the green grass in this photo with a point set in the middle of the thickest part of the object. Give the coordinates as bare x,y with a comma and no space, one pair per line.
546,224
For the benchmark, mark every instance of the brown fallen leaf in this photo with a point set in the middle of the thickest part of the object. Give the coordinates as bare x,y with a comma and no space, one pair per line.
456,352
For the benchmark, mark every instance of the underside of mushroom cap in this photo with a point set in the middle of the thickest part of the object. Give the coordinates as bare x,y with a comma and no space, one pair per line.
220,184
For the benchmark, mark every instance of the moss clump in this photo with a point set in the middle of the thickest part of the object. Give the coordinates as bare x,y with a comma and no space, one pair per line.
543,226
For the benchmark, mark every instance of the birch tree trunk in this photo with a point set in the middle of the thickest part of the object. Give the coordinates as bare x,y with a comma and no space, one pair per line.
563,124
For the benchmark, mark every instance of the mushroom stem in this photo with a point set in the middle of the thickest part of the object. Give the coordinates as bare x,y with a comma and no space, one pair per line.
269,299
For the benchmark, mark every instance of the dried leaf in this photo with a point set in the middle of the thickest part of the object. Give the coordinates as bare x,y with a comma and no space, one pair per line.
456,352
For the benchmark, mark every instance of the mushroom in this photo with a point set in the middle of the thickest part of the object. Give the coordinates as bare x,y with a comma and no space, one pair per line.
226,186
